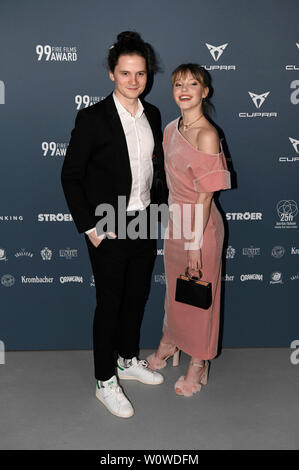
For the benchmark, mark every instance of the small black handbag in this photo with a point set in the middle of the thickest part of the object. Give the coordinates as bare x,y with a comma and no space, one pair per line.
192,291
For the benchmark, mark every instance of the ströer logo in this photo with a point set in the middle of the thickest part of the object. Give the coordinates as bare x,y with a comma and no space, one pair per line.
216,51
258,100
243,216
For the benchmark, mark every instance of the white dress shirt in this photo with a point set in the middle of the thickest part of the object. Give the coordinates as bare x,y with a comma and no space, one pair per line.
140,143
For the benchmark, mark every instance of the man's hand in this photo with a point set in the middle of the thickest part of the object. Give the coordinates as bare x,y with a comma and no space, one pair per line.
96,240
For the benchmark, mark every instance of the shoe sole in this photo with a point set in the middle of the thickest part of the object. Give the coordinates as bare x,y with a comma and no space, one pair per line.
111,410
131,377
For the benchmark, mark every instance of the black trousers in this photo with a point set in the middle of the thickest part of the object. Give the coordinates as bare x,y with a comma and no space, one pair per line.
122,271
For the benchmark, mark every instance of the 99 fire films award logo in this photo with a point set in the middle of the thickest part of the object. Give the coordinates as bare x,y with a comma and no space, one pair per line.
54,149
287,210
56,53
87,100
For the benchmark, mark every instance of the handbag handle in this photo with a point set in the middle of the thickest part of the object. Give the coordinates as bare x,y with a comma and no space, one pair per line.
193,278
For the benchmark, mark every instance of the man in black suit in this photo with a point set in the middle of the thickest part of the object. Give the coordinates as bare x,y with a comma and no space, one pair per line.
111,153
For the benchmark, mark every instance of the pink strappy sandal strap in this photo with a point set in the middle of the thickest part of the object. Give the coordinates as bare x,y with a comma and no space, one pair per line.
186,388
155,363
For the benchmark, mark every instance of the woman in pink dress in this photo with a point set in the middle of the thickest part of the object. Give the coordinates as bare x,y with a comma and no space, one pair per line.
195,169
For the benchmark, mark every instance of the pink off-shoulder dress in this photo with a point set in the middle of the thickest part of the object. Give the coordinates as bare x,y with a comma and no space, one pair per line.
189,172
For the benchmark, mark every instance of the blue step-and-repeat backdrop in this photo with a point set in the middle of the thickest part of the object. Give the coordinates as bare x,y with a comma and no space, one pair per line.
51,65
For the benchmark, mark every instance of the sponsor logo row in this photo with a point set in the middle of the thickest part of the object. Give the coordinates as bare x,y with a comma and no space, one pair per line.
45,253
287,211
276,277
257,99
58,149
50,53
69,253
251,251
8,280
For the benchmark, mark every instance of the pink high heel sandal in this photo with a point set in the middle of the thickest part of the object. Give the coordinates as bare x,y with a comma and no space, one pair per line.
187,389
155,362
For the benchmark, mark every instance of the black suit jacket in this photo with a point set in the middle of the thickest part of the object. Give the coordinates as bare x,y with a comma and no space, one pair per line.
96,167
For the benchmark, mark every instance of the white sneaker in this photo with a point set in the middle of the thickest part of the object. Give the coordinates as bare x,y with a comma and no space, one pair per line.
132,369
112,396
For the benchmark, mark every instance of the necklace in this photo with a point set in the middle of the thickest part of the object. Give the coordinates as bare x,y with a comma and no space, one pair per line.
189,124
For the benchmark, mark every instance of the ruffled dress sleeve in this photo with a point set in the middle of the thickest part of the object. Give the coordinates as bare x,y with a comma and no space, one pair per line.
210,173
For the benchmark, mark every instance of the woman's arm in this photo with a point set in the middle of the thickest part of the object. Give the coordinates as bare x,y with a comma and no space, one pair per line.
194,255
208,141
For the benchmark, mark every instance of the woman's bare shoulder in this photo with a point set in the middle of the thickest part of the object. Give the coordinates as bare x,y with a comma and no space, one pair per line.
208,140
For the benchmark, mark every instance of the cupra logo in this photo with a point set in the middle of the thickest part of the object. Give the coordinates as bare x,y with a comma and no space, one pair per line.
216,51
295,144
258,99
